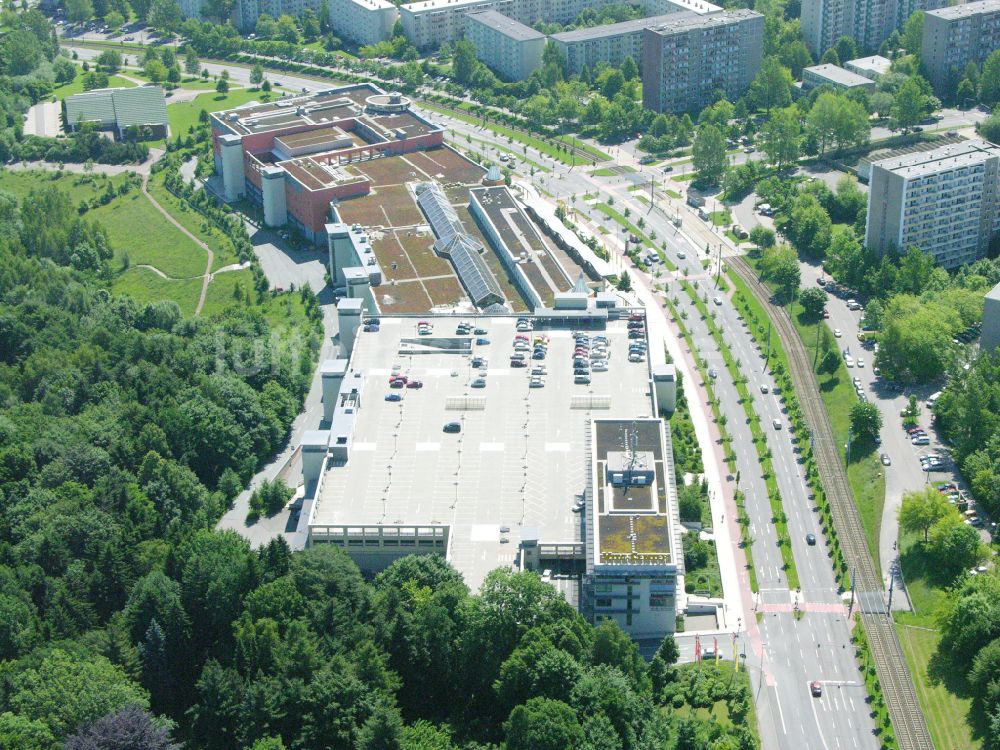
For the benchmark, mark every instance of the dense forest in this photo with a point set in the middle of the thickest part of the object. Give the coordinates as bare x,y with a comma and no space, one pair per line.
126,620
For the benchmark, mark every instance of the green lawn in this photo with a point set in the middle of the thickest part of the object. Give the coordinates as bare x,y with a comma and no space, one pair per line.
865,471
544,146
672,193
946,713
78,186
726,668
195,223
76,87
684,177
612,171
721,218
220,291
145,286
183,115
136,227
939,689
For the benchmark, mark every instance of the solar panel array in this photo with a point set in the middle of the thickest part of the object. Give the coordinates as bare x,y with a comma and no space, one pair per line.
453,242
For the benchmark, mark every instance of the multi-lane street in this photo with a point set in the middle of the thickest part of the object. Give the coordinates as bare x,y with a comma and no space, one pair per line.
786,650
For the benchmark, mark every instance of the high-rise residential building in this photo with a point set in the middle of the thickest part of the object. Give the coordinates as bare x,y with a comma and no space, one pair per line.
611,43
956,36
688,59
358,21
990,339
942,201
363,21
507,47
868,22
430,23
246,12
190,8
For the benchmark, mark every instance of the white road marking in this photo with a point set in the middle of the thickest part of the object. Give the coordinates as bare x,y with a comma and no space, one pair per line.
781,715
819,730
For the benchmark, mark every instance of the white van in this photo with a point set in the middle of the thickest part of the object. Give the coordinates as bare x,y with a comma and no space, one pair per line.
933,399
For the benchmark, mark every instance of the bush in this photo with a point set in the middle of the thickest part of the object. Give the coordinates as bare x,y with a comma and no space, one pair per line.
269,498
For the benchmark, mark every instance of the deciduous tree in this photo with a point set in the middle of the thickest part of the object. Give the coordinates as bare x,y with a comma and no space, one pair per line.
709,154
921,509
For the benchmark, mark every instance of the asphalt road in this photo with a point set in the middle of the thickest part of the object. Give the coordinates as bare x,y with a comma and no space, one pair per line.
791,652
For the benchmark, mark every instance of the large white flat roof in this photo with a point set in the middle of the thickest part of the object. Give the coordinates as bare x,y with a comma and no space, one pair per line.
949,156
520,460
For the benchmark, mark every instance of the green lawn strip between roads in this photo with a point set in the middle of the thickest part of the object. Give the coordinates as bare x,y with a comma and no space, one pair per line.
613,171
755,316
745,542
778,518
865,472
611,213
534,142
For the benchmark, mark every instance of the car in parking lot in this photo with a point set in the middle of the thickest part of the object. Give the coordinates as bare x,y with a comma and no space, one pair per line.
393,397
480,331
536,383
415,384
397,383
581,379
921,440
811,540
478,383
861,361
600,366
886,461
518,362
452,426
371,329
478,361
635,357
482,342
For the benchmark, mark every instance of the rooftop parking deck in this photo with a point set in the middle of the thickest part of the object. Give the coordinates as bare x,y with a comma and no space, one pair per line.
521,458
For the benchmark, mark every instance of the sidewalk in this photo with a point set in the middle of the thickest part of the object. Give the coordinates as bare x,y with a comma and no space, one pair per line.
665,339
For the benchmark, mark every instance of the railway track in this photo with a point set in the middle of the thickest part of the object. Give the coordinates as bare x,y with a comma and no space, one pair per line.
890,664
